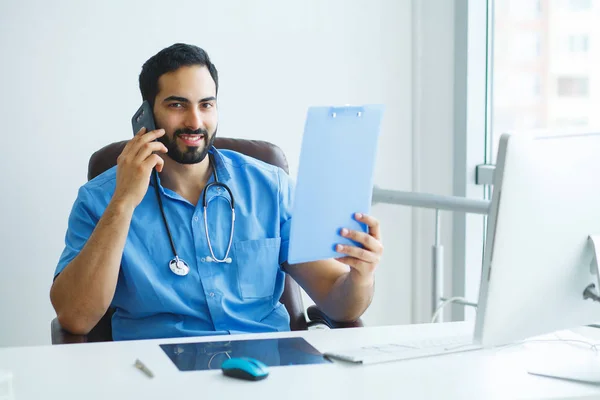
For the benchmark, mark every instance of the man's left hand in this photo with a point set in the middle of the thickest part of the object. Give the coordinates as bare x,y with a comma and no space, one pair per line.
362,261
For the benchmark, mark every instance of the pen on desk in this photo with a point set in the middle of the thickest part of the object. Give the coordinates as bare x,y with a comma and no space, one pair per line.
140,365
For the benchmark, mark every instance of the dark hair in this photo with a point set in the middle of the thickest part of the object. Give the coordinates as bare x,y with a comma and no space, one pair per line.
171,59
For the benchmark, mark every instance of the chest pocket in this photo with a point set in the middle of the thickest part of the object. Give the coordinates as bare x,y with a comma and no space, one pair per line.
257,263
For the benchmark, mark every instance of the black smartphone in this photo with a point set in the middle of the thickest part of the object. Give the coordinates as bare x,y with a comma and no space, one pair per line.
143,117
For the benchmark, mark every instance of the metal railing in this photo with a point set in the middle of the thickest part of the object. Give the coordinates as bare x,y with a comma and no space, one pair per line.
438,202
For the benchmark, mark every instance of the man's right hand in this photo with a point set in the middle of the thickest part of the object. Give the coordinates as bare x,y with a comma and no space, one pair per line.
135,164
85,288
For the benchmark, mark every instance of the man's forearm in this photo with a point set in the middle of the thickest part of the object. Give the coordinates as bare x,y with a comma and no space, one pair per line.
349,297
82,292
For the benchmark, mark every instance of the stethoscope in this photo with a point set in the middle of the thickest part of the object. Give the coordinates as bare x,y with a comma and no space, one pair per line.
177,265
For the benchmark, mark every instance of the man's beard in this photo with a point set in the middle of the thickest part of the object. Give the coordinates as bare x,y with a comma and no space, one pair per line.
193,154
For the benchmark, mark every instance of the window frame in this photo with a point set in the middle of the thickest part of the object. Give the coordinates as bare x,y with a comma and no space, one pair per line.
472,142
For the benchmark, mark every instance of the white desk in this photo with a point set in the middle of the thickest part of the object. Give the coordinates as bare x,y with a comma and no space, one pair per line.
105,371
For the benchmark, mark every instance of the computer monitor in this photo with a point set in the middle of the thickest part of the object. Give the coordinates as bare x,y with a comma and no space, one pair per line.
537,258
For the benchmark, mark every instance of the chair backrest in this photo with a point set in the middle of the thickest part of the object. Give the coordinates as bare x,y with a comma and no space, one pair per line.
106,158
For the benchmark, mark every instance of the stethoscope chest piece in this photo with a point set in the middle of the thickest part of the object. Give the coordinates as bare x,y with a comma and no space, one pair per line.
179,267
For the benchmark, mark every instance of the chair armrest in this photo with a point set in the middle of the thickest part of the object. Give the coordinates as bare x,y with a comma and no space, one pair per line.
316,316
61,336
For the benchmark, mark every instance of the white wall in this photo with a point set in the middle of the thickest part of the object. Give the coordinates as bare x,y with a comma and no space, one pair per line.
69,86
70,71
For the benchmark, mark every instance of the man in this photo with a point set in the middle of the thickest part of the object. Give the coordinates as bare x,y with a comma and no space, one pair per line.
158,270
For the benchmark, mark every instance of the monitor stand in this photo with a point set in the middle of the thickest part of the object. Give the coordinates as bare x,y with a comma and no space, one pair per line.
591,291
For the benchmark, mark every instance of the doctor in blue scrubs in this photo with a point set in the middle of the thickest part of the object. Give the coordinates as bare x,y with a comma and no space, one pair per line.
140,241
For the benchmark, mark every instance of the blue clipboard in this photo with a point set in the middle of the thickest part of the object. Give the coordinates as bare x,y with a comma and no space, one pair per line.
335,179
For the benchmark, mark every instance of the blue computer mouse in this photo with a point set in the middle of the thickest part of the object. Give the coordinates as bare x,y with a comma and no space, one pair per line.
245,368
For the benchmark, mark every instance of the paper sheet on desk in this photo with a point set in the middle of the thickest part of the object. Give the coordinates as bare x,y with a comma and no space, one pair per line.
564,355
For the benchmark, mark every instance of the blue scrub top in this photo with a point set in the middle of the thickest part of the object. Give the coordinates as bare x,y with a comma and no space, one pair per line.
214,298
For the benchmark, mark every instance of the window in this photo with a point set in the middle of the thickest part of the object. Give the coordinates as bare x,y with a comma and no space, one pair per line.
580,5
536,85
572,122
525,9
534,81
537,69
526,47
572,86
528,88
519,89
578,43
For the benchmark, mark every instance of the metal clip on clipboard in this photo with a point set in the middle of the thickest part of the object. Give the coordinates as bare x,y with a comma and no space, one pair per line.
347,111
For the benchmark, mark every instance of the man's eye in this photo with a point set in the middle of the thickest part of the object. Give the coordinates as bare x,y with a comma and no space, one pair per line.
175,105
207,105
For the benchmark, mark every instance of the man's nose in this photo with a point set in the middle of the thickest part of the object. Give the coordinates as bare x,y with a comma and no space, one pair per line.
194,120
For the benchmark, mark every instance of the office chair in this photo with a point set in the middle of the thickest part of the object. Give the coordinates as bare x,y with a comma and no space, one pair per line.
291,298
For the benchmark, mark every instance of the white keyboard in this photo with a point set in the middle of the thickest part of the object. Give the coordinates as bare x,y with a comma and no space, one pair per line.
406,350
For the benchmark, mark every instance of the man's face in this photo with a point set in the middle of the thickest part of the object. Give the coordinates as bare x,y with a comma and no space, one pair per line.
186,108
